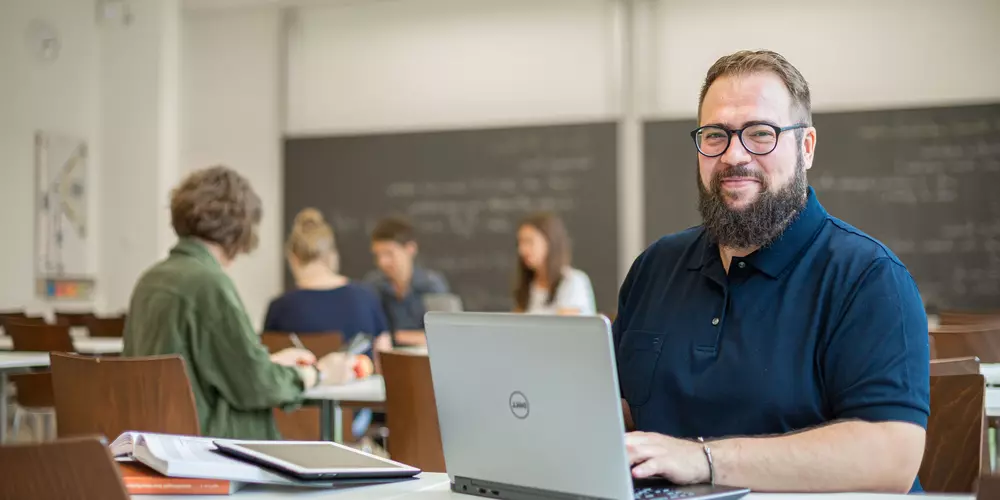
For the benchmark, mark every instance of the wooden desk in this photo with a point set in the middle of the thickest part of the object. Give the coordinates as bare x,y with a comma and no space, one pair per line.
12,362
367,393
83,345
431,486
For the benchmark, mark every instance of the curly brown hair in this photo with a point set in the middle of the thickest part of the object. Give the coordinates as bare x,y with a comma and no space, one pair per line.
217,205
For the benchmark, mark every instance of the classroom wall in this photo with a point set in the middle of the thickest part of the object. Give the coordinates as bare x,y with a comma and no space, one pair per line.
232,75
406,65
60,96
140,126
856,54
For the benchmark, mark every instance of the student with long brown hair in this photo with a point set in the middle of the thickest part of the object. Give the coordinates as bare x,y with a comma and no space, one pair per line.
546,281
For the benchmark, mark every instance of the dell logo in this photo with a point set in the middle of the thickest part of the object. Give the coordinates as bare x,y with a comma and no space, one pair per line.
519,405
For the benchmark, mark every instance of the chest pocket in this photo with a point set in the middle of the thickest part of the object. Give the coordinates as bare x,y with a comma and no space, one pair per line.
637,357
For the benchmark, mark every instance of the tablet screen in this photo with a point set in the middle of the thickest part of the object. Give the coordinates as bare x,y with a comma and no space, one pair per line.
317,456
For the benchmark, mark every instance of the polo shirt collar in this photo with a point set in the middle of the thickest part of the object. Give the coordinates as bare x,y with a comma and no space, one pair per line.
774,258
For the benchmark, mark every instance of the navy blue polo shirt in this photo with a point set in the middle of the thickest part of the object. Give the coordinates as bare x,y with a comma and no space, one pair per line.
823,324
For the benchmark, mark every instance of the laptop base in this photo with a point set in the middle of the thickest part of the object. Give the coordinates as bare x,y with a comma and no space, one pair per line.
490,489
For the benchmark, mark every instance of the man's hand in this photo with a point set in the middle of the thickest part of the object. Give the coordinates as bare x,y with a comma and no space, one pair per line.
678,460
293,356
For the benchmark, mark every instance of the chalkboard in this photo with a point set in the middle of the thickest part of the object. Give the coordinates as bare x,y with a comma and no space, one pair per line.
923,181
465,192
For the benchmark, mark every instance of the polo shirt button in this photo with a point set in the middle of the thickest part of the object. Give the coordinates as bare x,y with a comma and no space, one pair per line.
715,321
742,264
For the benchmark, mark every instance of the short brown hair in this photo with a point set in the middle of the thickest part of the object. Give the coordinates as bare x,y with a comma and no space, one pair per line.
217,205
393,229
747,62
559,258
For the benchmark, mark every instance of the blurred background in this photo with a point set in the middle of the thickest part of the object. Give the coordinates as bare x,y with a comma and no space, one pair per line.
465,115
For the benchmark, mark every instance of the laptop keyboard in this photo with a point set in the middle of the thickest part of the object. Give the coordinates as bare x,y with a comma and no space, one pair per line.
659,493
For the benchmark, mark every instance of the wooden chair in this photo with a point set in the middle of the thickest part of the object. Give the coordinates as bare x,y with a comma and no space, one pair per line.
72,319
79,468
23,320
108,396
982,341
320,344
34,390
411,411
953,455
105,327
303,423
35,337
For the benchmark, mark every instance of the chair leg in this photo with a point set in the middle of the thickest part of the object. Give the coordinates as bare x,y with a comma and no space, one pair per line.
15,427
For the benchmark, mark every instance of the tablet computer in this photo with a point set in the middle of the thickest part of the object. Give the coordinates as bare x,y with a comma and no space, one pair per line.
314,460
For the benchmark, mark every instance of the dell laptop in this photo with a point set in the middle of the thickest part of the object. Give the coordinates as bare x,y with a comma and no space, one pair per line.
529,408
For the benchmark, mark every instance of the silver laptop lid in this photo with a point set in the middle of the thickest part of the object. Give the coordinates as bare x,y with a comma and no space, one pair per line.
529,401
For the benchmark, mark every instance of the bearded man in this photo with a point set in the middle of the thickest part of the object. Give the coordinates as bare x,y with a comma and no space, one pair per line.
774,346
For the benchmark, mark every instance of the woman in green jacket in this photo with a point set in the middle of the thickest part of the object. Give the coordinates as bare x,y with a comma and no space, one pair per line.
187,305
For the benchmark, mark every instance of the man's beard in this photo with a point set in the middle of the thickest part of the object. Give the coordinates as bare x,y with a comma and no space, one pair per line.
760,222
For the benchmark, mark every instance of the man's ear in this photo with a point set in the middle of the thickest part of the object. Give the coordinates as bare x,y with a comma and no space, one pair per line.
809,147
411,248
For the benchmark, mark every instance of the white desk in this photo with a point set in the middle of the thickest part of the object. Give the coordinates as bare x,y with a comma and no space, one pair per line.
83,345
15,361
991,371
431,486
331,397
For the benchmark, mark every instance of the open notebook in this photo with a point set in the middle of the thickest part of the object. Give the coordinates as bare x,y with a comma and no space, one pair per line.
195,457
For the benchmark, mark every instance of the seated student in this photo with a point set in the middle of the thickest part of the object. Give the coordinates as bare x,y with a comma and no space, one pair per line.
187,305
789,342
324,300
546,284
399,282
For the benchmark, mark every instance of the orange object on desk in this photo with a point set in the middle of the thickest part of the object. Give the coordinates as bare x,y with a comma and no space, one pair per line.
141,480
363,366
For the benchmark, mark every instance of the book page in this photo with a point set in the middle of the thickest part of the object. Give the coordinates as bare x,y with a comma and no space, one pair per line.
123,444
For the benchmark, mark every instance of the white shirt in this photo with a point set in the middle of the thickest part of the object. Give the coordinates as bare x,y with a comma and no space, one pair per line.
574,292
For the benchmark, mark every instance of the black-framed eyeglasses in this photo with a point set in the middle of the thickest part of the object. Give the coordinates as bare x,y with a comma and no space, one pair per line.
759,138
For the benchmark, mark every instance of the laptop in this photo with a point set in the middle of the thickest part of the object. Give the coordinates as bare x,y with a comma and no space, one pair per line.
529,408
442,302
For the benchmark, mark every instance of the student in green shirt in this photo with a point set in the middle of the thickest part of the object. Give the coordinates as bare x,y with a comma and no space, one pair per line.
187,305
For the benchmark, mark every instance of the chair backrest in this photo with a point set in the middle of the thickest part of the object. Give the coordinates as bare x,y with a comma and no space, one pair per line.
955,366
34,390
320,344
105,327
22,319
981,341
303,423
80,468
47,338
108,396
411,411
953,455
72,318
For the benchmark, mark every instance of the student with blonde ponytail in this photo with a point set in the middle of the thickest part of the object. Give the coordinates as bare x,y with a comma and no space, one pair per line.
324,300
